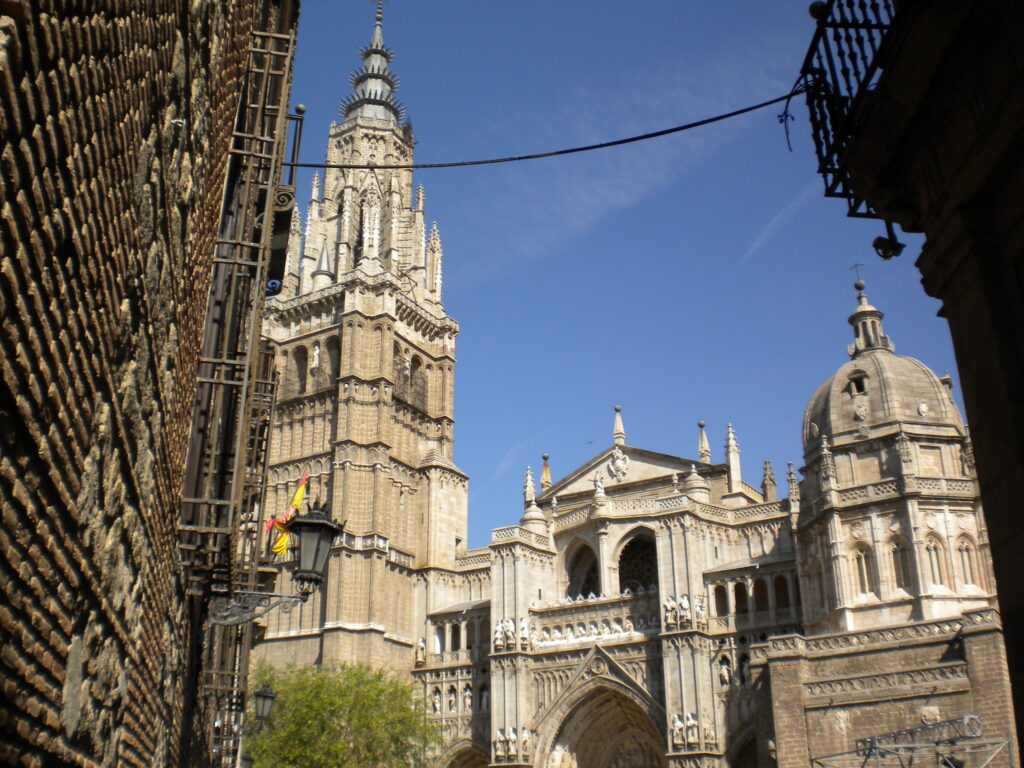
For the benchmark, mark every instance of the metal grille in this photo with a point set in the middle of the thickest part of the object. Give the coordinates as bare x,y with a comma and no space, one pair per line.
841,68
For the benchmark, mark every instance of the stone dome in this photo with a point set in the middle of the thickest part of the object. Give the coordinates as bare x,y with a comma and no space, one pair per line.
876,387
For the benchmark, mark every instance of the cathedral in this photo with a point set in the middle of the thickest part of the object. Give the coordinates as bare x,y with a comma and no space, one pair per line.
647,609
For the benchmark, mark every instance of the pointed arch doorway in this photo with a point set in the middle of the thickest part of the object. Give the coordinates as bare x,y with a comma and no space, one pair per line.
606,728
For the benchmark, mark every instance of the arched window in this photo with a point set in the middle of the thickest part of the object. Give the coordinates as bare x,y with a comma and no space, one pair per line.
417,383
863,568
470,635
333,358
900,564
638,563
781,592
439,640
760,595
721,601
968,561
456,637
582,573
740,595
300,369
934,553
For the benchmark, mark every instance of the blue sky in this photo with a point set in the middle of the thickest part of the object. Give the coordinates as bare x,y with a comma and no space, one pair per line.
699,276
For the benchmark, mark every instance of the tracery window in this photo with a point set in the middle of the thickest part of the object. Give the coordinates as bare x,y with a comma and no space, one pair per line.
968,564
900,564
638,564
933,550
863,570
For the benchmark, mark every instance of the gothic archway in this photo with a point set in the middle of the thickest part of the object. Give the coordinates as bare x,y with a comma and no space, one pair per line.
463,754
605,728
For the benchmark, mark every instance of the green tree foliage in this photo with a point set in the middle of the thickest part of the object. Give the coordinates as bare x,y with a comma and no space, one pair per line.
344,716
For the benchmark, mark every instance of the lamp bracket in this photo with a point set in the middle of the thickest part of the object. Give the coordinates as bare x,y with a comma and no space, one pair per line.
243,607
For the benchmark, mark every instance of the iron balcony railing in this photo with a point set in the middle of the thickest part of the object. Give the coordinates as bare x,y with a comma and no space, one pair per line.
841,68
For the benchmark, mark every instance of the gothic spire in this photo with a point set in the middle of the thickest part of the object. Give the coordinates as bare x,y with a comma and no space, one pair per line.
529,489
867,326
618,431
373,84
545,474
703,446
732,458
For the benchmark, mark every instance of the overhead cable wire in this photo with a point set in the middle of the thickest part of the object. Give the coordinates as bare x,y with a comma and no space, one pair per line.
559,152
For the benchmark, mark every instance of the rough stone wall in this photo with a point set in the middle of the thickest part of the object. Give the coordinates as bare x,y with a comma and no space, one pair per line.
115,119
826,692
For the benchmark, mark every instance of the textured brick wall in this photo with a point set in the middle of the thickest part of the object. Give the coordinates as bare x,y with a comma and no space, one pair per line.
114,123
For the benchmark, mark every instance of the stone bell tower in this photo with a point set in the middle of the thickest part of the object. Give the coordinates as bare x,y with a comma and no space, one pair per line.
364,353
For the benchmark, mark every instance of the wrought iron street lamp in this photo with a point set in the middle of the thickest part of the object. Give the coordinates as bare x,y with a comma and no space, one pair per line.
263,702
315,533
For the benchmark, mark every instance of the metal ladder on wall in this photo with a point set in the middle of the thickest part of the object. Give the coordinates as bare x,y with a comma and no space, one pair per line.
226,466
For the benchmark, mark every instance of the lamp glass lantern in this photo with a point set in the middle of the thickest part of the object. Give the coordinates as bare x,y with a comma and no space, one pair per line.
315,533
263,702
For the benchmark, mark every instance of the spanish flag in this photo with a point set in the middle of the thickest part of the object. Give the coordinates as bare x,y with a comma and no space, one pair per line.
280,545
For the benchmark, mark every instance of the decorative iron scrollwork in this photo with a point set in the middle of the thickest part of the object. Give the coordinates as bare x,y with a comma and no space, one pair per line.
244,607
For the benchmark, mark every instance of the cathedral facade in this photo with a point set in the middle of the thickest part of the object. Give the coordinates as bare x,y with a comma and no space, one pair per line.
647,609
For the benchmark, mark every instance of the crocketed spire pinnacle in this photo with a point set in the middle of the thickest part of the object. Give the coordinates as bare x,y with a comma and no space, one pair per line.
867,326
373,84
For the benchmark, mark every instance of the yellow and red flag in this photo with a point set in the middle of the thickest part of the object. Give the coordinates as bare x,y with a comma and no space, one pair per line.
280,545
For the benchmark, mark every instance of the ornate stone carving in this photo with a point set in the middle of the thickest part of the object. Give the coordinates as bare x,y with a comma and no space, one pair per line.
886,680
618,464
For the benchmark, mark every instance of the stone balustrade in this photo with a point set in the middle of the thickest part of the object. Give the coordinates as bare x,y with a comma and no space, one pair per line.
622,615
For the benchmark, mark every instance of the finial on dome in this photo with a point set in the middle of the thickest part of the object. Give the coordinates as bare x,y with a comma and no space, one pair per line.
545,473
867,326
529,491
618,431
703,446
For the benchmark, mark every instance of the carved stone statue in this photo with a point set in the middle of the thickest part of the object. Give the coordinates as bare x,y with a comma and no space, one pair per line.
524,741
451,700
512,748
678,731
745,671
498,744
724,672
485,700
499,638
524,633
435,702
709,730
510,633
316,358
684,609
698,609
421,652
692,732
467,698
670,612
598,485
